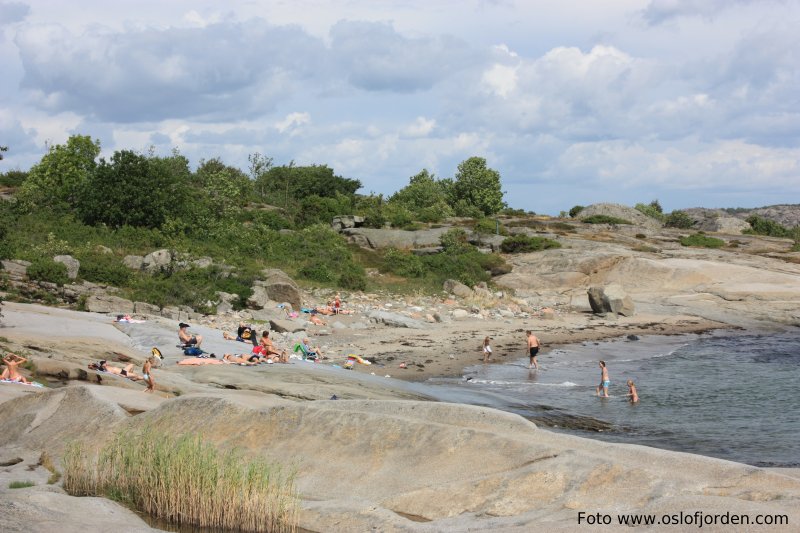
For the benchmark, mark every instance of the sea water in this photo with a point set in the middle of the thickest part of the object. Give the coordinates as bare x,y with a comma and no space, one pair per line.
728,395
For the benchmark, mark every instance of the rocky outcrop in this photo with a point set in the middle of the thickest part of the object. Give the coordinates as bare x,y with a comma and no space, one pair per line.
396,320
285,326
457,288
407,462
105,303
276,286
728,225
610,299
157,261
346,221
143,308
72,264
134,262
395,238
16,269
621,211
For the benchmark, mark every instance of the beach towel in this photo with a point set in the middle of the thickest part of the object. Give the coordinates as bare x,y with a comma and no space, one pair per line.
199,361
31,384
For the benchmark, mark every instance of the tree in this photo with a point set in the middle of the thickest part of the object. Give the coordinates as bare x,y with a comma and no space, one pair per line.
223,189
477,186
3,149
260,165
56,180
130,189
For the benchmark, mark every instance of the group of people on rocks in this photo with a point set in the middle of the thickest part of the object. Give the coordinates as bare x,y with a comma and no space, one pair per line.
264,350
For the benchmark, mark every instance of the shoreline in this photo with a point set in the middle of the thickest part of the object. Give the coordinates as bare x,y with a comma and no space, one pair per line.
508,342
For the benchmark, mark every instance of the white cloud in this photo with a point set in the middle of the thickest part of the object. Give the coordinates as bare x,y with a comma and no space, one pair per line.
292,122
421,127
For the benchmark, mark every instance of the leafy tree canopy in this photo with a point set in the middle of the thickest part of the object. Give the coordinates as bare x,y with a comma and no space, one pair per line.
477,186
56,180
129,190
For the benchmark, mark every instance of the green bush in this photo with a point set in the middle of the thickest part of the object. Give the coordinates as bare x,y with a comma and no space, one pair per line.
699,240
575,211
44,269
604,219
522,244
353,279
653,211
762,226
316,271
404,264
488,226
679,219
103,268
13,178
454,241
466,267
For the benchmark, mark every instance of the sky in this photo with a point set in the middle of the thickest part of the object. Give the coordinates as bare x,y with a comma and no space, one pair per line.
691,102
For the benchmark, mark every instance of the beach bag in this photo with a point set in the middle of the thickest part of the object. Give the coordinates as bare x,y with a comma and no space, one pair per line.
192,350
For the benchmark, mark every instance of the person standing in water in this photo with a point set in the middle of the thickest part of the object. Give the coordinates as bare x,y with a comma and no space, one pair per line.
632,392
533,349
487,350
604,381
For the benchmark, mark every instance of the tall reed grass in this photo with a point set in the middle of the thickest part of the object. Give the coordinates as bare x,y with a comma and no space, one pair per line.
184,480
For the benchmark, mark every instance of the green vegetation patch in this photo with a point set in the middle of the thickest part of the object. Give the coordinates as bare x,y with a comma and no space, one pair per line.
21,484
698,240
605,219
523,244
678,219
184,480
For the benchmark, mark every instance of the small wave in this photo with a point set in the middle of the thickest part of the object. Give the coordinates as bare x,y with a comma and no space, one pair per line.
563,384
491,382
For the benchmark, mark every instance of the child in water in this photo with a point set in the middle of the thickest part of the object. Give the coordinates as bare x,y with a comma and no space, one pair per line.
487,350
632,392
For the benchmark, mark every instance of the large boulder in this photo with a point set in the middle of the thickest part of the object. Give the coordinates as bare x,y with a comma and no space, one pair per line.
346,221
395,238
621,211
105,303
16,269
610,299
276,286
456,287
134,262
286,326
728,225
144,308
396,320
72,264
157,261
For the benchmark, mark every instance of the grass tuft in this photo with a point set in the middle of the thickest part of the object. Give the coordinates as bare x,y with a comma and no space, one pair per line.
21,484
185,481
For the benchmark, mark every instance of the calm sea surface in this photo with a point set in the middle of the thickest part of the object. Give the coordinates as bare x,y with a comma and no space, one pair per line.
728,395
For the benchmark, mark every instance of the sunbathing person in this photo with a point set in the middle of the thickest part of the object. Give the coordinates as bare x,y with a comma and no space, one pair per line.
242,359
187,339
317,321
126,372
326,310
11,373
245,333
